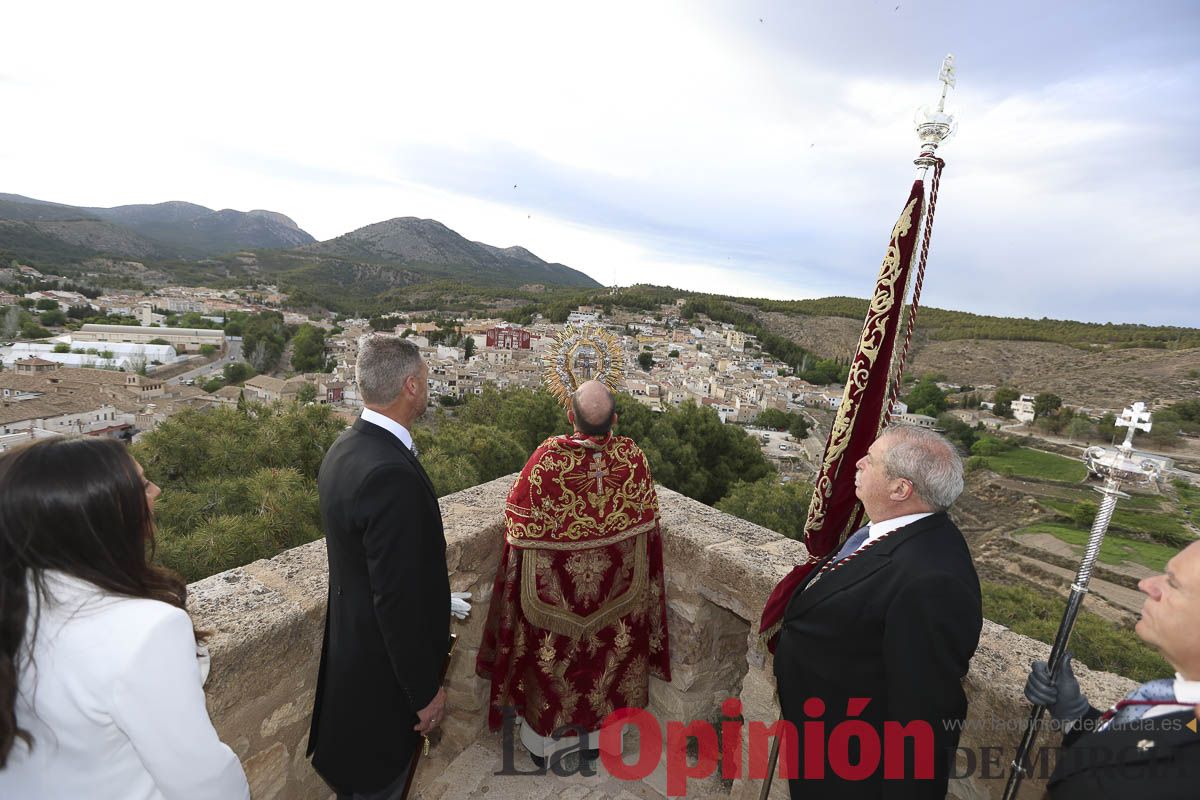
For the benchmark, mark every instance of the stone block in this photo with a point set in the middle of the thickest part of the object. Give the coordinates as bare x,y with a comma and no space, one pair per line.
250,624
712,634
739,578
685,609
240,745
789,551
301,575
267,772
305,783
287,714
758,695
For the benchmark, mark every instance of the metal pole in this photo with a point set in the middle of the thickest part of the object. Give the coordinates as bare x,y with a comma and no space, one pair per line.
1117,466
771,762
1078,590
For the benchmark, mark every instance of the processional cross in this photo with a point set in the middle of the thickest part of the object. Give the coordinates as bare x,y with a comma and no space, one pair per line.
1136,418
946,76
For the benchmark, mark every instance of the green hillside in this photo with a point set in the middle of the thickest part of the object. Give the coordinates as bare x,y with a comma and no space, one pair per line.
947,325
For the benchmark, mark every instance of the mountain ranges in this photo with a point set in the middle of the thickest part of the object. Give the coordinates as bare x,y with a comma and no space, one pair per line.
184,241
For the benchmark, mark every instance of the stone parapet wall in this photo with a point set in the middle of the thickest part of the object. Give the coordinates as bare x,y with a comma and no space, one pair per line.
267,620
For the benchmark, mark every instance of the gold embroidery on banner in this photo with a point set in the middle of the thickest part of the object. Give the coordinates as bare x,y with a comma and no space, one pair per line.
553,614
869,347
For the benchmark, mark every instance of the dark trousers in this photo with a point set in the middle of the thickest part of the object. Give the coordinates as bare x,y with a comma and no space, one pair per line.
392,791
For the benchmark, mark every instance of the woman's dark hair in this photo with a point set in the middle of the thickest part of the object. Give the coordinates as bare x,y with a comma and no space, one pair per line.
76,505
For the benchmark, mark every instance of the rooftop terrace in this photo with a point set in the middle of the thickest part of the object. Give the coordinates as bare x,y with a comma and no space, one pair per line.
267,621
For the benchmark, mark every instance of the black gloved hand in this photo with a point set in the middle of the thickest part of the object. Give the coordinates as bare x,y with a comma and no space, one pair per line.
1062,697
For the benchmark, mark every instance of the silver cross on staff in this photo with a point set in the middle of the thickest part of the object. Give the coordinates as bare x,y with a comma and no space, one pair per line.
1136,418
946,76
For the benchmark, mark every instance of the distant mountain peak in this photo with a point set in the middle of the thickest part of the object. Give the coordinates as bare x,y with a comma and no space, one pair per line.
418,242
282,219
175,228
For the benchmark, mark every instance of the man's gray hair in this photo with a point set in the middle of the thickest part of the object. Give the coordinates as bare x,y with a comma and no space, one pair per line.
927,460
384,364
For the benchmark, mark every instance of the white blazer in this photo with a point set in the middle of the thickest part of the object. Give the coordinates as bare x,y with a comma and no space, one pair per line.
114,700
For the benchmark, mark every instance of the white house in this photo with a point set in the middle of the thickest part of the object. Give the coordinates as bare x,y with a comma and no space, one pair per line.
1022,409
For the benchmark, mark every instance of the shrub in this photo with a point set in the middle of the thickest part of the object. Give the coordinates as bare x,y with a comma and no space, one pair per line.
990,446
1096,642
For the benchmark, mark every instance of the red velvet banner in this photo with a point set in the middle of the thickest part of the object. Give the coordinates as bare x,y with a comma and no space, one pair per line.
835,511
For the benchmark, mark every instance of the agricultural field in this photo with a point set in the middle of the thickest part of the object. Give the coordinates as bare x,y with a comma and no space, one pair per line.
1114,550
1022,462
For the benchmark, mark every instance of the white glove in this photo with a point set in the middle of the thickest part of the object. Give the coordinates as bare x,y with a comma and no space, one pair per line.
204,660
459,606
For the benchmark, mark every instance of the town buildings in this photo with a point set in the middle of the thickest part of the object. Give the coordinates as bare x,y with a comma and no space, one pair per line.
699,361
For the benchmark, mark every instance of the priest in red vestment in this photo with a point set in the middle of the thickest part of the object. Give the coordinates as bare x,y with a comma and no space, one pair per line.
578,617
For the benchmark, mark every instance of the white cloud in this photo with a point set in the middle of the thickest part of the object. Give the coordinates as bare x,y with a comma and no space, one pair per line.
682,143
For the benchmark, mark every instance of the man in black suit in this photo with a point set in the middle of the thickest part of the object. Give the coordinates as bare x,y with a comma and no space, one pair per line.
883,632
387,620
1148,745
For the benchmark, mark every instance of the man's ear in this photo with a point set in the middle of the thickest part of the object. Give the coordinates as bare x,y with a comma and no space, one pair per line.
571,415
614,420
903,490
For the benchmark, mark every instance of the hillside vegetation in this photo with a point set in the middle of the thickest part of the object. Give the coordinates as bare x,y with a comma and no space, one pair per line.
942,324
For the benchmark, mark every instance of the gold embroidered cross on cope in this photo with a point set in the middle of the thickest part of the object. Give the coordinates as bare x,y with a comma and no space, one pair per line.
599,473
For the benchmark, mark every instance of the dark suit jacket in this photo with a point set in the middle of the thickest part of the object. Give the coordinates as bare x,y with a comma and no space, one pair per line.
898,625
388,614
1156,759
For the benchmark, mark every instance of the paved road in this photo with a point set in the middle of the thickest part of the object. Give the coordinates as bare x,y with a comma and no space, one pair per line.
232,353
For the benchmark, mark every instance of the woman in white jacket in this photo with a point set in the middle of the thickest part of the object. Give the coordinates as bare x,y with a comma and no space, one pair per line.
100,668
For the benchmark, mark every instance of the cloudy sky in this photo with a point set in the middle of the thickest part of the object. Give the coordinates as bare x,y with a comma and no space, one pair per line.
758,148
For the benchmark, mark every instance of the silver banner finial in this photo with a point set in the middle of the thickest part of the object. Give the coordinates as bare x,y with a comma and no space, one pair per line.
934,125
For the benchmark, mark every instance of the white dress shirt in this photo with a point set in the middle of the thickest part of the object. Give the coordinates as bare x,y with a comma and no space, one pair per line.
390,425
113,699
878,529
